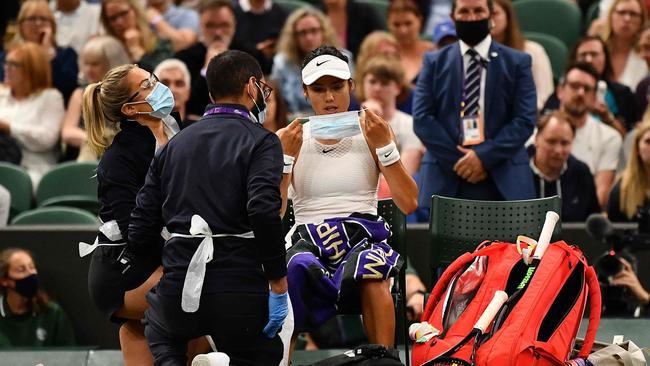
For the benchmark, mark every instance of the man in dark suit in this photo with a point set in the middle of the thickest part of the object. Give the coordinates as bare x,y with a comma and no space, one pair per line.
474,107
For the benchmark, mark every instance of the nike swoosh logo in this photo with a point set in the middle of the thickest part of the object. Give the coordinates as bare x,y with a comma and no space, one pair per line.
320,63
326,151
387,155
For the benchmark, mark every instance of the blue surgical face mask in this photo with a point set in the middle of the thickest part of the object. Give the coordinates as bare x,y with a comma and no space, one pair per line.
259,110
335,126
161,101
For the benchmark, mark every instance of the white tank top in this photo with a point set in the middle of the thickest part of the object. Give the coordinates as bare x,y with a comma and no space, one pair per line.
333,180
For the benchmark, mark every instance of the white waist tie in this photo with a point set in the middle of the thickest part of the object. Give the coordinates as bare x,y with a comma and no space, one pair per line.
112,232
196,270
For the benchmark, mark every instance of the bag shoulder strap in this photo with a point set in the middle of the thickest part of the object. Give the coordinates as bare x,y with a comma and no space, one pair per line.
594,311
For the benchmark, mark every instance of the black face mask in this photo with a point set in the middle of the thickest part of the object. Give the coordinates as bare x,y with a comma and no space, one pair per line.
472,32
28,286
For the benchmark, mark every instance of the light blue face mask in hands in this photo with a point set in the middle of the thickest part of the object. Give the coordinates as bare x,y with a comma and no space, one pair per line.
335,126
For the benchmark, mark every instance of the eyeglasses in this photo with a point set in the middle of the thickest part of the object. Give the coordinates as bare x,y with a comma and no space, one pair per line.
10,64
266,89
33,20
115,17
630,13
576,86
145,85
308,31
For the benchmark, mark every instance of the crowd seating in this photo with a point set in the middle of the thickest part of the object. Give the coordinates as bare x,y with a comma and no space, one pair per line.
69,190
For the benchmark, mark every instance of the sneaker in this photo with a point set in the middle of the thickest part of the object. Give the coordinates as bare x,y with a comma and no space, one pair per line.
211,359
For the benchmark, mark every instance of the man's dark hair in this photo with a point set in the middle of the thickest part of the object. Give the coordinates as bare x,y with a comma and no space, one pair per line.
490,4
608,72
323,50
229,72
215,4
584,67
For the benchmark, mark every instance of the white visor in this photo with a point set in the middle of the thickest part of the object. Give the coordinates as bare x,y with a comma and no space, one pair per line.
325,65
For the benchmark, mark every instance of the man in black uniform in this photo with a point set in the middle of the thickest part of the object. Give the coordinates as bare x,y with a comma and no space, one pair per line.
215,187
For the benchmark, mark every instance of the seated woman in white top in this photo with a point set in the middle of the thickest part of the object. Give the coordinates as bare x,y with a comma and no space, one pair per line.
335,174
31,111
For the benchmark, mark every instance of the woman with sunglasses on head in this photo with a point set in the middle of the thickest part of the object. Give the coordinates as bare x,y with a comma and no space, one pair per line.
131,100
336,167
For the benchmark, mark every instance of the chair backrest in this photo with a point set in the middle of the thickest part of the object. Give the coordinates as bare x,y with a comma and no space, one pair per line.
457,226
292,5
78,181
559,18
555,49
16,180
381,8
592,14
55,216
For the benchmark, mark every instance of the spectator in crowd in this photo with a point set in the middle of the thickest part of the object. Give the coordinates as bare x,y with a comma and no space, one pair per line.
277,114
36,24
506,31
617,107
643,89
382,44
381,82
444,34
5,206
31,111
126,21
621,33
596,144
98,55
438,13
557,172
631,191
173,73
353,21
259,23
321,159
474,123
132,100
28,318
305,30
217,24
8,12
405,24
76,22
179,25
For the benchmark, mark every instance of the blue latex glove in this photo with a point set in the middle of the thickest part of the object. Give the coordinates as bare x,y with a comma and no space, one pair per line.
278,310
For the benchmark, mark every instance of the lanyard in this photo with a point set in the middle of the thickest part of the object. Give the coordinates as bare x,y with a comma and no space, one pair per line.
228,110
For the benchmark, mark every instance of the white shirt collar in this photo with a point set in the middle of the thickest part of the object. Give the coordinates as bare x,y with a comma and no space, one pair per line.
245,5
482,48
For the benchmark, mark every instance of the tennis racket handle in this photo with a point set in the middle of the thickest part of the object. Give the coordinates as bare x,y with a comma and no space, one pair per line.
547,232
493,307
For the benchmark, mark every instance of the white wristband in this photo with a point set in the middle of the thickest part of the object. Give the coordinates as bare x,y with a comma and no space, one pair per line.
388,154
288,164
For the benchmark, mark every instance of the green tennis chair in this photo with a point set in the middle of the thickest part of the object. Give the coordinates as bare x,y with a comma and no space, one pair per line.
16,180
381,7
69,184
555,49
457,226
292,5
592,14
397,223
54,215
559,18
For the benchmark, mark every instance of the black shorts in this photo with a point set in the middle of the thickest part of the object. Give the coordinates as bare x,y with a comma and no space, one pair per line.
108,280
234,320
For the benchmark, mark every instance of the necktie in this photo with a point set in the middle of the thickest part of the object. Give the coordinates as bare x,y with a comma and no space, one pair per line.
472,90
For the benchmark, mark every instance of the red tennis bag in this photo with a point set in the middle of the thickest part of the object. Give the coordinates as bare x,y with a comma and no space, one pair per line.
541,327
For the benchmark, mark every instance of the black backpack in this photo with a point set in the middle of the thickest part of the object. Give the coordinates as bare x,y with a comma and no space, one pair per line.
366,355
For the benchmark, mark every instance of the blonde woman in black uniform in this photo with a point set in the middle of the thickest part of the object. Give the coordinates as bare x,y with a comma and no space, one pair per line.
131,100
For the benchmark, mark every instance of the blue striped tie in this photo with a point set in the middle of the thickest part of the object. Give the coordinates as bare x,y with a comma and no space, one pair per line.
472,91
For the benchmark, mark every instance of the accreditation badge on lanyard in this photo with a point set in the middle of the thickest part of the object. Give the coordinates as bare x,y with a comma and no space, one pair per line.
473,129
